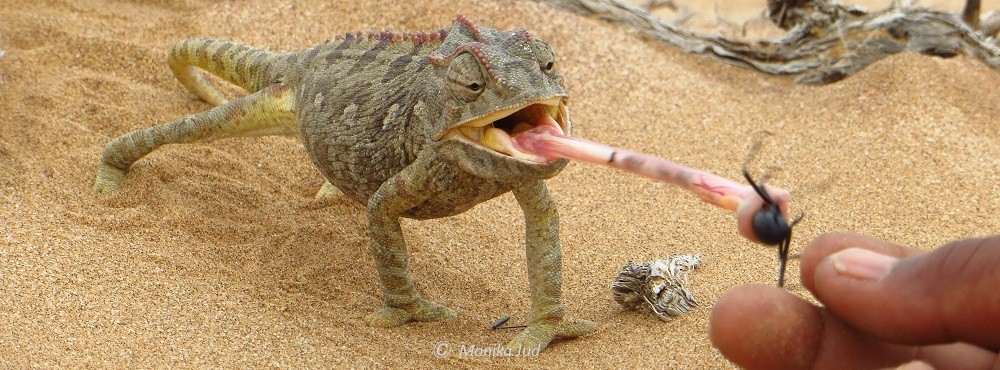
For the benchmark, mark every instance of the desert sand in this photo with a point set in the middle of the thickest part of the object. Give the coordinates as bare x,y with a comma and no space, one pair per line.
216,255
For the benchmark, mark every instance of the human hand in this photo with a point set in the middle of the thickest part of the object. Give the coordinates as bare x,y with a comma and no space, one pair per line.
896,306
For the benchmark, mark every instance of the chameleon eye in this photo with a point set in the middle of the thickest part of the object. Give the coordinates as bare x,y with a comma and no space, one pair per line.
465,78
544,56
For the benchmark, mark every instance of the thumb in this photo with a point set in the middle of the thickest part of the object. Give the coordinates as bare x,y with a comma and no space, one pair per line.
948,295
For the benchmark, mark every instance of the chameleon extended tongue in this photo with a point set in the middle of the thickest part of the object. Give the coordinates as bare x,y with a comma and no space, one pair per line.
499,141
549,142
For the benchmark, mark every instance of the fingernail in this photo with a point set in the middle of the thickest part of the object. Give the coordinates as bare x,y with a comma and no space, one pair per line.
862,264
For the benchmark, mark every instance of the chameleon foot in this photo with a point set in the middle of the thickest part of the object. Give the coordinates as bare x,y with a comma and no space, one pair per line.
327,191
421,310
109,178
538,334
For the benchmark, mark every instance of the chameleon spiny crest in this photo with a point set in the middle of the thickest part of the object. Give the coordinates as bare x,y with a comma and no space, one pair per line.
414,125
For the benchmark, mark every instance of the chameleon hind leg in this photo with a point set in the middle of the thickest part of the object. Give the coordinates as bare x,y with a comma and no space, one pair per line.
269,111
400,193
546,321
242,65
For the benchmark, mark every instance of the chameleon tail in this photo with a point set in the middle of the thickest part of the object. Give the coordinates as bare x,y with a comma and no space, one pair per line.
245,66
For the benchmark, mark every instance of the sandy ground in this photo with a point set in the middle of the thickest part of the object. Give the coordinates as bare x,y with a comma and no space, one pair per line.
217,256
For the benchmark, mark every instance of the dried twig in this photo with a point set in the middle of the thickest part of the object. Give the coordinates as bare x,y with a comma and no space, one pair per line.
990,23
971,13
656,4
826,41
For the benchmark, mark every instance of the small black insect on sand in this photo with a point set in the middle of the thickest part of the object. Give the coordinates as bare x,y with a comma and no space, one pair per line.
770,226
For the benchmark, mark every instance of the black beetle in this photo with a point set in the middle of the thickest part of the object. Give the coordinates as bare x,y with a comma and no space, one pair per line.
770,226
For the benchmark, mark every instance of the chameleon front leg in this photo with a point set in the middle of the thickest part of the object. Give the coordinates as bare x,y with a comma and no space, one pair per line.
544,259
403,303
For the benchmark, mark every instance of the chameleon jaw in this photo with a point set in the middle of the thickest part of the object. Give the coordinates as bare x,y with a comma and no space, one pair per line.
494,131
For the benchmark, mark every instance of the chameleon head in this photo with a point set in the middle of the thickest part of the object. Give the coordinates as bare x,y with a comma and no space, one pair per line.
498,84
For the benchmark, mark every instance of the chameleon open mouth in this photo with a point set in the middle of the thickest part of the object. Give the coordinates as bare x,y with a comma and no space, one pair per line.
495,131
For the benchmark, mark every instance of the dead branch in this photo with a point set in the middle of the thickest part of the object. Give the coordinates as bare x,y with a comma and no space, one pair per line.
971,13
826,41
990,23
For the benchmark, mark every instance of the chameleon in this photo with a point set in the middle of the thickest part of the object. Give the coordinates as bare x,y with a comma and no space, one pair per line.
415,125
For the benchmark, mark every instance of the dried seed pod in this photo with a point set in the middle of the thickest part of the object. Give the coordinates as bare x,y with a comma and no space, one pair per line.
659,287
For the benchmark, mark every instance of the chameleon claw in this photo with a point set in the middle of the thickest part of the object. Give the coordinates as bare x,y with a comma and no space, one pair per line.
572,328
539,334
421,310
327,191
388,317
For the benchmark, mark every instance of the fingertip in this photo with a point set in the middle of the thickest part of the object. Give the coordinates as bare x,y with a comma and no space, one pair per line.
937,297
817,249
827,244
763,327
915,365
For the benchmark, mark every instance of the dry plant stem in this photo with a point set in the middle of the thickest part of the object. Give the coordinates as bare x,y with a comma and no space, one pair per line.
970,14
826,41
710,188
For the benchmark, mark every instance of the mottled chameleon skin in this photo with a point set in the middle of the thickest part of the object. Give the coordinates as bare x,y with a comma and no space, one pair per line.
371,110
